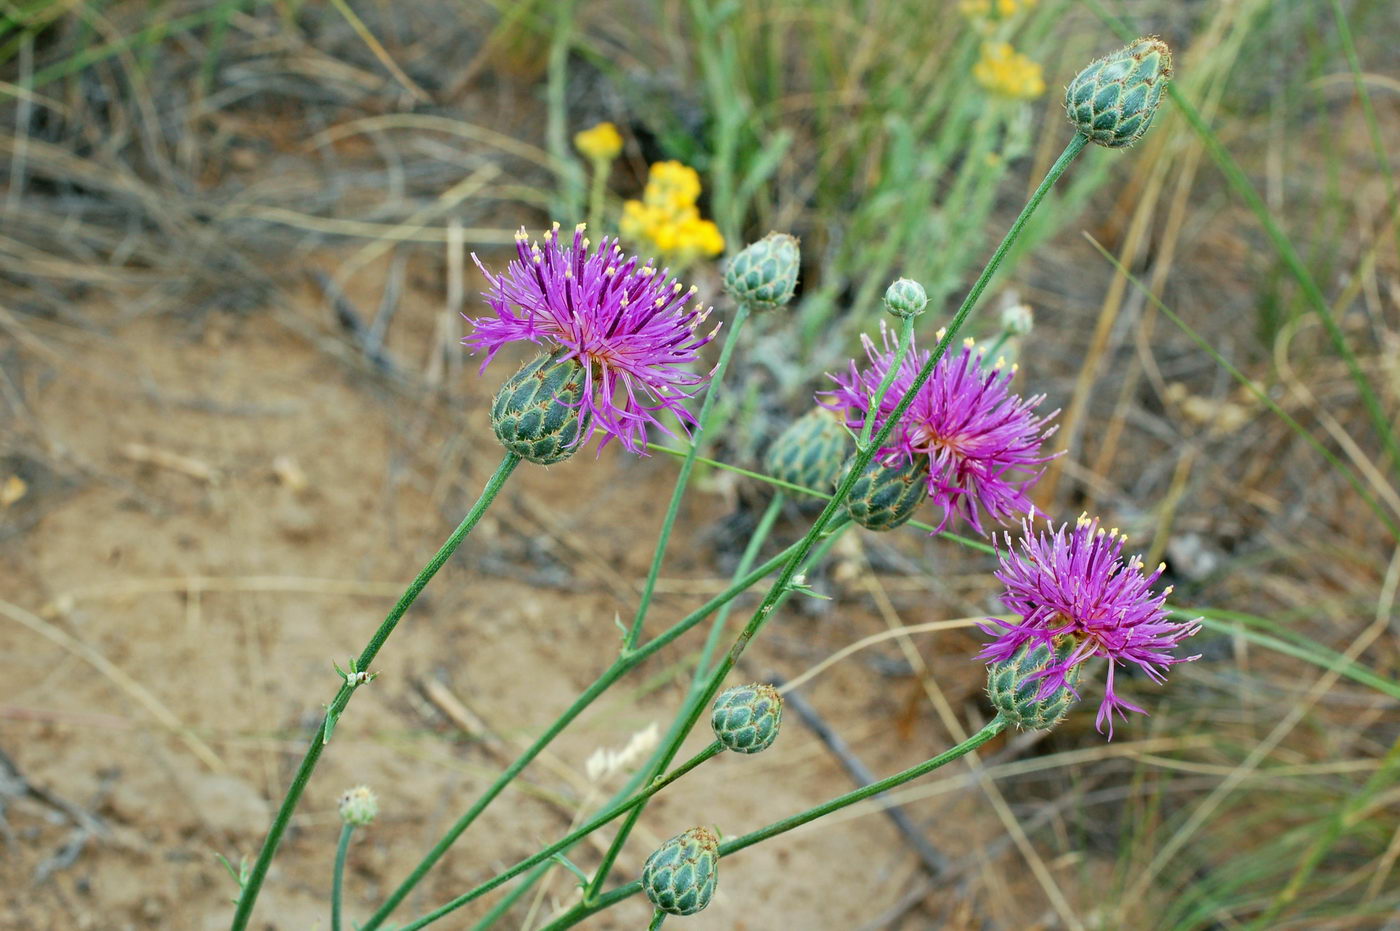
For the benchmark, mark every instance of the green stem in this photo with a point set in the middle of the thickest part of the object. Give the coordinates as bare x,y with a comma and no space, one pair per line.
596,191
696,701
338,875
760,534
698,434
574,837
508,900
988,731
728,104
566,167
249,894
862,459
814,493
657,920
989,358
906,339
619,667
640,776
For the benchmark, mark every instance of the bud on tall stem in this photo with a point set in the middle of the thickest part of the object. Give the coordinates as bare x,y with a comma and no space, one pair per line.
764,275
1112,101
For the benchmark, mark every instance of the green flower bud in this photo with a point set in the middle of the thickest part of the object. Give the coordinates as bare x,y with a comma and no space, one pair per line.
764,275
1013,691
810,451
1114,99
1017,320
358,806
680,876
746,718
535,414
906,298
885,496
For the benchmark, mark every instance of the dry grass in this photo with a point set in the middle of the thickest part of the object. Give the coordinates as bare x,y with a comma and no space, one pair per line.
222,221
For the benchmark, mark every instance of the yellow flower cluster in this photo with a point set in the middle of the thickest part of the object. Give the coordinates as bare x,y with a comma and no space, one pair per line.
666,219
989,9
602,143
1007,73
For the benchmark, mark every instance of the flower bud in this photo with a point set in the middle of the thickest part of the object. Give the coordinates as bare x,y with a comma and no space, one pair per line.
885,496
906,298
764,275
680,876
810,451
535,413
1015,690
1017,320
746,718
358,806
1114,99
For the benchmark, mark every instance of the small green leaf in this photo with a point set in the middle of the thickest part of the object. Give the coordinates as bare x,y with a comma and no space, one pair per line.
583,878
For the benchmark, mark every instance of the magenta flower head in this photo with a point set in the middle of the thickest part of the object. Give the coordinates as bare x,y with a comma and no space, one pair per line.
1075,584
623,321
981,439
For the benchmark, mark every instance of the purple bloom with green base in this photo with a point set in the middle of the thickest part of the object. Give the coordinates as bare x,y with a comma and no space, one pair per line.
623,320
1074,583
982,440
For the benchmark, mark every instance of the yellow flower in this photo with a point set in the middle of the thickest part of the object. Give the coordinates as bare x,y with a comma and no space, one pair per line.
602,143
1007,73
671,184
666,220
993,9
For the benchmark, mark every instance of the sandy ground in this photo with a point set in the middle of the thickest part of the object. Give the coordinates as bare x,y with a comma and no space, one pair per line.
227,509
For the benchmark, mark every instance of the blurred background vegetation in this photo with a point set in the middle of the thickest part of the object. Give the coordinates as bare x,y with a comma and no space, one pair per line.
182,161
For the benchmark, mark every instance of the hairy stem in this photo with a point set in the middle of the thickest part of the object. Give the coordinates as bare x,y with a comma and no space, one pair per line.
585,908
619,667
634,633
906,339
760,535
862,459
338,874
640,776
564,843
249,894
596,191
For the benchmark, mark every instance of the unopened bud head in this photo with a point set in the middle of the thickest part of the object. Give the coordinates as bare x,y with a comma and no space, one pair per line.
906,298
1015,687
1017,320
680,876
746,718
885,496
1114,99
810,451
536,412
764,275
358,806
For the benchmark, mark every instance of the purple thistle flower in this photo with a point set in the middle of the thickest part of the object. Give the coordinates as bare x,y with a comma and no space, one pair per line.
624,321
1075,583
981,439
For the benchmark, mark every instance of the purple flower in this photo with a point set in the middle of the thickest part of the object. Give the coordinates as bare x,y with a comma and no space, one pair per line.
982,440
624,321
1075,583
